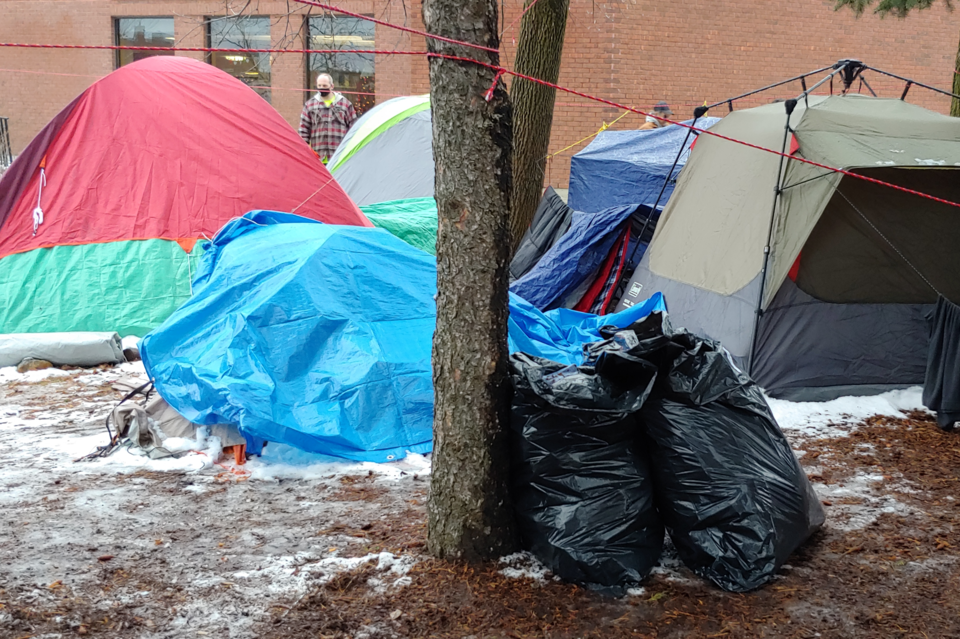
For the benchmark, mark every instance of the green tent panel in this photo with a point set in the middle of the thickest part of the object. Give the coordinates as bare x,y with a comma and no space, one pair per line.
129,287
413,220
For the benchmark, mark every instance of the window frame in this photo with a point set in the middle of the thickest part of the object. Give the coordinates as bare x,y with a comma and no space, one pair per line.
116,35
267,91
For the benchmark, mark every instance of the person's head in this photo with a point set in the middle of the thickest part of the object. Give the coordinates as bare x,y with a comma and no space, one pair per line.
663,110
324,84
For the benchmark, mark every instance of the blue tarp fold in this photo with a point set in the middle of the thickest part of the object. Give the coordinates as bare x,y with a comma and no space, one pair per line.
575,256
319,337
308,334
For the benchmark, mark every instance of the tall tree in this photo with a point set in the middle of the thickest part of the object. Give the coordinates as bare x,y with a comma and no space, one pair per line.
538,55
901,9
469,512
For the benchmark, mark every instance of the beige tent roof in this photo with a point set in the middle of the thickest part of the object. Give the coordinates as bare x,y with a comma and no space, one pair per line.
714,229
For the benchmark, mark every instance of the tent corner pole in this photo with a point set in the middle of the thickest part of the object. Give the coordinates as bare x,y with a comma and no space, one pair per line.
789,105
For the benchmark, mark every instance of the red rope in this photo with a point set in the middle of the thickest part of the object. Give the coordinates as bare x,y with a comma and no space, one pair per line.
697,129
328,7
501,70
117,47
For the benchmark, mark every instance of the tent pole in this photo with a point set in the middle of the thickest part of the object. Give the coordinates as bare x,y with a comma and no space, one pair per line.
628,271
697,114
790,105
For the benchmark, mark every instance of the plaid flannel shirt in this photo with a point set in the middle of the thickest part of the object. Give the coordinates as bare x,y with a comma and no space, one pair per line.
323,127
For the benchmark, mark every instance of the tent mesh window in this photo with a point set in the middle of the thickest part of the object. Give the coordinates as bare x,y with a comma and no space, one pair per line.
874,244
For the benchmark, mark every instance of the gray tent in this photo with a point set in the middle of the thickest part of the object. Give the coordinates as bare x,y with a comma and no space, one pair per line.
388,153
854,267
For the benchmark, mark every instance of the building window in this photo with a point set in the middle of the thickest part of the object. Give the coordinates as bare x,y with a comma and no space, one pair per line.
243,32
352,73
142,32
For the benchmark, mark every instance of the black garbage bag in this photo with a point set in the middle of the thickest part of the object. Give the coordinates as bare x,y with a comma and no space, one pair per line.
582,492
730,490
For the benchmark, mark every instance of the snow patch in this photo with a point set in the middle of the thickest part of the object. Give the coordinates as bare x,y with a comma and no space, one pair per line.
839,417
855,516
280,461
523,565
9,374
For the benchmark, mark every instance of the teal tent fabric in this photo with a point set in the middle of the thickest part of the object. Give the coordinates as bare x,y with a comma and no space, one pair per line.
413,220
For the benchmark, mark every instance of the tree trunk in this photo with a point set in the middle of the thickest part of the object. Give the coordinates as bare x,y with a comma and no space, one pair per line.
538,55
954,102
470,515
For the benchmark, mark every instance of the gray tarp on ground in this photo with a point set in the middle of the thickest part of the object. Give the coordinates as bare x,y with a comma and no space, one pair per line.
869,267
62,349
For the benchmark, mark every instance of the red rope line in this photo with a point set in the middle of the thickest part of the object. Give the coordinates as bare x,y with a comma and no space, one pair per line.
697,129
502,70
328,7
117,47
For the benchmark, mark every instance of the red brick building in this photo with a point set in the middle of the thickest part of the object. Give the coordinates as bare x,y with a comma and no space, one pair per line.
635,52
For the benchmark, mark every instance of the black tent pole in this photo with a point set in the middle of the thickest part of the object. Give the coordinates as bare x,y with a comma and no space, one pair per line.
628,272
697,114
790,105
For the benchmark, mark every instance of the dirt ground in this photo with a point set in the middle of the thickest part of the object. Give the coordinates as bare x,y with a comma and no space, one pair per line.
109,551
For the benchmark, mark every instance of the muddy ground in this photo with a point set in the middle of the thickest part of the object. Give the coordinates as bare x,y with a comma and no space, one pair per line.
105,550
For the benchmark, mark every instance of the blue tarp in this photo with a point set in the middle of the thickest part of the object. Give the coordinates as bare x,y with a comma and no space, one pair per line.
307,334
559,335
575,256
628,167
319,337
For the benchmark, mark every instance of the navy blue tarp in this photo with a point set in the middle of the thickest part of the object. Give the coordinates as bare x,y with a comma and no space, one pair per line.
628,167
574,258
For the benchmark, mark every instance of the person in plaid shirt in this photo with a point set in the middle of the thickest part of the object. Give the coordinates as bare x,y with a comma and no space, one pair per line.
326,118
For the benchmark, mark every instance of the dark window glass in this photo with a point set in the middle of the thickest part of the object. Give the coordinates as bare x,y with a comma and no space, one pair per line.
244,32
142,32
352,73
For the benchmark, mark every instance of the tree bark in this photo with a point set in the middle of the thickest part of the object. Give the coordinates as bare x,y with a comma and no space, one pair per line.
470,515
954,102
538,55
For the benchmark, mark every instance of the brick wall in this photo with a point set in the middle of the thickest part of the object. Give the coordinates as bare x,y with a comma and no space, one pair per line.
636,52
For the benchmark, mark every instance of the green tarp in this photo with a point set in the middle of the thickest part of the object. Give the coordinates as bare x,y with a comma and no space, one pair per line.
128,287
132,287
414,221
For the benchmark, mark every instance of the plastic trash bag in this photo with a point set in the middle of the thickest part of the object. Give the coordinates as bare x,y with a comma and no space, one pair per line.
730,490
583,495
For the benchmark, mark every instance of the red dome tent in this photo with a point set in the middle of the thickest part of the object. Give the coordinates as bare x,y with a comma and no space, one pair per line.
100,213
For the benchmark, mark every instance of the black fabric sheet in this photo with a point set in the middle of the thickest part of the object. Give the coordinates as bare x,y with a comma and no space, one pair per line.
550,222
941,387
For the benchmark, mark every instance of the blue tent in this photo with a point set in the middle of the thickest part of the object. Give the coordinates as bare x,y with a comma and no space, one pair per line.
628,167
319,337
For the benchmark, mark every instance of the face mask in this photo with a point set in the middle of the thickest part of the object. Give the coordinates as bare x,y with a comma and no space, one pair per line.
324,92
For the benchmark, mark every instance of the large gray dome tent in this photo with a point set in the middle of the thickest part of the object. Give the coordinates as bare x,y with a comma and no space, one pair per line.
388,153
854,267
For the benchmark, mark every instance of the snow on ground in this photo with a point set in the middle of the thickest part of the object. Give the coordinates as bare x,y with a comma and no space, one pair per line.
838,417
196,548
523,565
226,547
